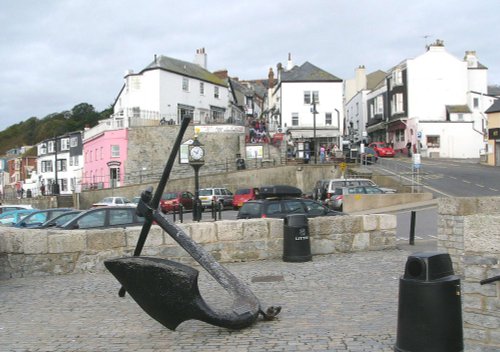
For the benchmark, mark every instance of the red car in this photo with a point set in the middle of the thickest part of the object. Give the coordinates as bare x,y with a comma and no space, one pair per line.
170,201
242,195
382,149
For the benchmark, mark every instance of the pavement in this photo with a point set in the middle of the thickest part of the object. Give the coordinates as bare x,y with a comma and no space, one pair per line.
338,302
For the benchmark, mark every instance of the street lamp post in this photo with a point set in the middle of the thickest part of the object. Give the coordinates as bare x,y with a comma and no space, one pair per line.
55,186
314,130
196,157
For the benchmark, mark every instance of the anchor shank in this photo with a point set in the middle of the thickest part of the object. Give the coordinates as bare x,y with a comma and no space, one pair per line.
227,280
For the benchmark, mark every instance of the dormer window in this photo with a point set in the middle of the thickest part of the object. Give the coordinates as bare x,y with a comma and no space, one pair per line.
51,147
397,77
42,149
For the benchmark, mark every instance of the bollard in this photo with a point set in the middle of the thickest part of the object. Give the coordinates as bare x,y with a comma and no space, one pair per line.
429,311
219,208
181,213
412,227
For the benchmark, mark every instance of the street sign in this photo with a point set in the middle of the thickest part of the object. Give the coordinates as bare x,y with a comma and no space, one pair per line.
419,135
343,166
416,161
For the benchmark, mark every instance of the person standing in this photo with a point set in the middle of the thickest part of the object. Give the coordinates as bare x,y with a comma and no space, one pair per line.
408,148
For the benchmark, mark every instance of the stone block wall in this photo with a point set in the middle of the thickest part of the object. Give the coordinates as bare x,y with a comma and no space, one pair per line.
25,252
469,230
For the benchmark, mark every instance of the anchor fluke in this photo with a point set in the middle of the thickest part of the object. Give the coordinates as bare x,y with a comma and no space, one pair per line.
168,292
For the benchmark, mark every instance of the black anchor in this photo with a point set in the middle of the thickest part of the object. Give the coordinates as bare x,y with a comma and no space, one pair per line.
168,291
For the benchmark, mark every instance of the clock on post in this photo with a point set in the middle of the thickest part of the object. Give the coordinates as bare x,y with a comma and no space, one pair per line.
196,158
196,152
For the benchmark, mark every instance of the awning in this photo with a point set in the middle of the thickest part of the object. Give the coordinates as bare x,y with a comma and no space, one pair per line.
376,127
395,125
309,133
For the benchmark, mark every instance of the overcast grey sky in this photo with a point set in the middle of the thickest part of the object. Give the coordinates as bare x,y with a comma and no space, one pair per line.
57,54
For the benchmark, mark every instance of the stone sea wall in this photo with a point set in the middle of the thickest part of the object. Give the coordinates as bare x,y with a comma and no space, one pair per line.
25,252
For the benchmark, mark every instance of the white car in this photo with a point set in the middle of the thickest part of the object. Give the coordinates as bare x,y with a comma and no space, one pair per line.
114,202
351,182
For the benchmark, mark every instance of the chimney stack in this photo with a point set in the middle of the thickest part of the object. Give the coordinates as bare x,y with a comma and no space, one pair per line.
360,78
201,58
270,77
471,59
289,64
222,74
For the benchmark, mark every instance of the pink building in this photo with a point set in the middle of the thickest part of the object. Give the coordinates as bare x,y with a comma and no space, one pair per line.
104,158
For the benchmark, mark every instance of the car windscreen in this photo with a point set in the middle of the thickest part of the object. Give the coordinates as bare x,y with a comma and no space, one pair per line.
294,206
62,219
205,192
121,216
243,191
92,219
314,208
250,209
169,196
337,191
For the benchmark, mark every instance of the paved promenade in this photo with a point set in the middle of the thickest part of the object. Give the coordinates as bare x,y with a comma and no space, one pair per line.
341,302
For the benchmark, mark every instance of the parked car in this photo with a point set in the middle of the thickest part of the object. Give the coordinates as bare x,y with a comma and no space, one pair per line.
244,194
105,217
7,207
11,217
369,156
336,199
349,182
280,200
59,220
281,207
38,217
114,202
135,200
171,201
382,149
220,195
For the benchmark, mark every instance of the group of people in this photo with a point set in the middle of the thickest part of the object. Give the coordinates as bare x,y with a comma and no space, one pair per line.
328,152
258,132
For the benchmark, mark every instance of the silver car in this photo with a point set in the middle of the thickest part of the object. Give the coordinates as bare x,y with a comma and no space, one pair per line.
219,195
335,200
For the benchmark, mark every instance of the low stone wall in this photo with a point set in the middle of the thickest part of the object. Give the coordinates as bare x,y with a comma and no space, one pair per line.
469,230
359,202
39,252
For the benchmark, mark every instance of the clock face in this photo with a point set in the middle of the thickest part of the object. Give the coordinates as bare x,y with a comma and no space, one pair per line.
197,153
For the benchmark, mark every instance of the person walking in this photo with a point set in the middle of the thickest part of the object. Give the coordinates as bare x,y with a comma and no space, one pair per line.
408,148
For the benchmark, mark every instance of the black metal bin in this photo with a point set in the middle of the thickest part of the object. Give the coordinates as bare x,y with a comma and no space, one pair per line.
296,243
430,310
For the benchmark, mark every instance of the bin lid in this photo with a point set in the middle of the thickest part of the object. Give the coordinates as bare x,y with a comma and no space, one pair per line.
296,220
428,266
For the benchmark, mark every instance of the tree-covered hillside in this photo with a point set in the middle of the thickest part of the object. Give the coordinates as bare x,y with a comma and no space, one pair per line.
34,130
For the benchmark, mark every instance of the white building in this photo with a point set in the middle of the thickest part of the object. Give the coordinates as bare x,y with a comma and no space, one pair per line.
292,99
67,171
357,91
434,101
169,89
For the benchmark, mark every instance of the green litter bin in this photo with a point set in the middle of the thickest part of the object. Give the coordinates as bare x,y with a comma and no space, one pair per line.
296,243
430,309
